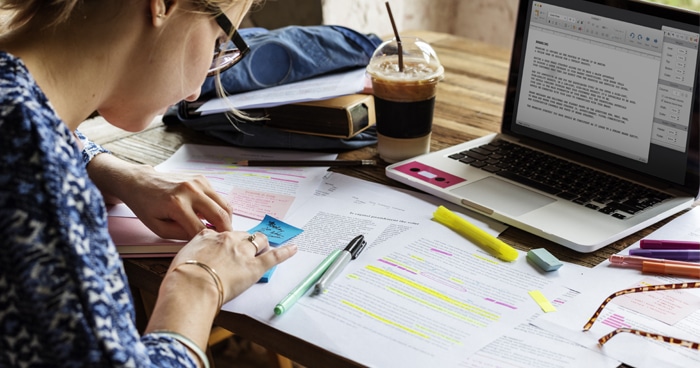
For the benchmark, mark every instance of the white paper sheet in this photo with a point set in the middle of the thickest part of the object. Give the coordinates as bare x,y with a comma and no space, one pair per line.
419,295
320,88
648,309
252,191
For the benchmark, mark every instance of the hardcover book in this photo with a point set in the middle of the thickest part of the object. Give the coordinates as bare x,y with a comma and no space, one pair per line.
340,117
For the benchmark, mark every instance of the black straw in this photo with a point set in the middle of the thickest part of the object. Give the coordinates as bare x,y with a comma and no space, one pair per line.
396,34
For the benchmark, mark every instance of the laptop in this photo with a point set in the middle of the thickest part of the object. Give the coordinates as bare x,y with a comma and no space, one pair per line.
600,132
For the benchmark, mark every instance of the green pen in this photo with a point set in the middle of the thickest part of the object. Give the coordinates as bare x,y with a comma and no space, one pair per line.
306,284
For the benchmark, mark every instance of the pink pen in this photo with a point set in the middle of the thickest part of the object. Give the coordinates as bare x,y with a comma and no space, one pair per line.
668,244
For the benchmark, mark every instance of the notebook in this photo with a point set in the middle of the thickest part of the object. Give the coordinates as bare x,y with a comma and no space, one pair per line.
600,128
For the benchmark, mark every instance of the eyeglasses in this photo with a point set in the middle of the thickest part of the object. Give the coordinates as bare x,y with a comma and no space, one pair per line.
668,339
225,56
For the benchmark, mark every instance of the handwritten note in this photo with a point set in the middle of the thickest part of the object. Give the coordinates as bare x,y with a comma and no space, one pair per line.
278,232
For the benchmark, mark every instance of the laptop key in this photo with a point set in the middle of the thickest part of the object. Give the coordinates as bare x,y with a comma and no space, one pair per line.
481,150
476,155
567,195
491,168
624,208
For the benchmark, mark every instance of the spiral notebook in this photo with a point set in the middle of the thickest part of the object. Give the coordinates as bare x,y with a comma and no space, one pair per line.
600,131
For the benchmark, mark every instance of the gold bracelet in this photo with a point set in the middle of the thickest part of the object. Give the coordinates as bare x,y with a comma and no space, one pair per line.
189,344
214,275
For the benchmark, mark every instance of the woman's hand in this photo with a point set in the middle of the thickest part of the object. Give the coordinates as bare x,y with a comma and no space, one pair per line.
237,261
189,295
172,206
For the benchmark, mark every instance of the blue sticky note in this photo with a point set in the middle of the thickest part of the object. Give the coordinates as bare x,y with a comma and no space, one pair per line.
277,232
268,274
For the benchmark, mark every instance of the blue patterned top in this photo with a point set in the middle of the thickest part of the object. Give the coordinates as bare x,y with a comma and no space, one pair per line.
64,297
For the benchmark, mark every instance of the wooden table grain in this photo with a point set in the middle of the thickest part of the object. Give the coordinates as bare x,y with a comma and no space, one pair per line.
469,104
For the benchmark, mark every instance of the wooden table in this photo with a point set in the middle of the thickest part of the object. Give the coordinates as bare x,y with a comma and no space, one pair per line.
469,104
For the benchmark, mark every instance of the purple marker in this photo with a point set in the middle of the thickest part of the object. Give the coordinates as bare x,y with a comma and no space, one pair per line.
673,254
669,244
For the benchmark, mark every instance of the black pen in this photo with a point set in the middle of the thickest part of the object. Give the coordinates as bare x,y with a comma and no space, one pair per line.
310,163
351,251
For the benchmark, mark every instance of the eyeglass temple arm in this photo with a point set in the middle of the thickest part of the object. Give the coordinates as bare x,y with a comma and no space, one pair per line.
683,285
671,340
226,25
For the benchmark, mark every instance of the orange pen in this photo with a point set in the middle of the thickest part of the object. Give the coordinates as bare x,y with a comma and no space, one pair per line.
660,266
671,269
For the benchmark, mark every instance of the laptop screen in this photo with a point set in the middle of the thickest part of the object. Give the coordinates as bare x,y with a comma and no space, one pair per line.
614,80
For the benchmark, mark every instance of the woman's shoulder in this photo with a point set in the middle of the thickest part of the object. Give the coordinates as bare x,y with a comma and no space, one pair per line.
20,96
16,83
28,123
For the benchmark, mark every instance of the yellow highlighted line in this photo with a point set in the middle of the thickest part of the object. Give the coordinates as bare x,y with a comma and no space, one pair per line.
442,336
438,308
429,291
486,259
384,320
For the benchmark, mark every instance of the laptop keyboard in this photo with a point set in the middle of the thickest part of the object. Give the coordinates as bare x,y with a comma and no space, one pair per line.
590,188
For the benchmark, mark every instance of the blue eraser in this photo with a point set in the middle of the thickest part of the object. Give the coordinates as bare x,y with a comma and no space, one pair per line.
544,260
268,274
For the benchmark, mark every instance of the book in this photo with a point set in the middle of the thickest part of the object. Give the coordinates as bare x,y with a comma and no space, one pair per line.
339,117
134,239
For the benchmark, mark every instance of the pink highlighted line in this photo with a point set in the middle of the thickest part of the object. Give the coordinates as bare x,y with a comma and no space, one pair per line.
500,303
440,251
616,321
397,266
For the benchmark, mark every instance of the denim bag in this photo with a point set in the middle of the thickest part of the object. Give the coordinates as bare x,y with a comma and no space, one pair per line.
278,57
292,54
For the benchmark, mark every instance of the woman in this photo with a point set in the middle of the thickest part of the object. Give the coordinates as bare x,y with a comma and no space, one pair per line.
64,299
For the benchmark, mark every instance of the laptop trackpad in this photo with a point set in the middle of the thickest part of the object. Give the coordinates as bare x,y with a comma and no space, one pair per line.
501,196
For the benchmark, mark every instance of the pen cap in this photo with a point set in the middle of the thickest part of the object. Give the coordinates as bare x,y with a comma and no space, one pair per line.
669,244
357,249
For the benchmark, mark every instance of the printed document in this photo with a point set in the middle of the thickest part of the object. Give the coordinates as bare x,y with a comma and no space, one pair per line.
419,295
253,192
674,313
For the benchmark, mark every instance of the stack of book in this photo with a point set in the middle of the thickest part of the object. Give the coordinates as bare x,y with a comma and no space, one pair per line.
338,117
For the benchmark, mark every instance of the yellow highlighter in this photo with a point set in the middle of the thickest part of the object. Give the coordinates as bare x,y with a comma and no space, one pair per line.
483,239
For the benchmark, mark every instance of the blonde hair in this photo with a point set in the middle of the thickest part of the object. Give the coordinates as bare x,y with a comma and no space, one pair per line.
19,12
16,13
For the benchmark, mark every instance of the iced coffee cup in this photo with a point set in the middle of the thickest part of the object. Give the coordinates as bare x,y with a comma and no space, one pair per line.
404,100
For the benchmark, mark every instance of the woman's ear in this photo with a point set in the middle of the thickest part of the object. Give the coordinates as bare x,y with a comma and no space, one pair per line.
160,9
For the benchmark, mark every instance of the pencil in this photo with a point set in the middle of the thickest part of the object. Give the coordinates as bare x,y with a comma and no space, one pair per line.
306,163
